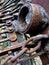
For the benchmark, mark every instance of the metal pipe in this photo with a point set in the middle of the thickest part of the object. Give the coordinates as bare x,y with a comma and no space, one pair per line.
30,21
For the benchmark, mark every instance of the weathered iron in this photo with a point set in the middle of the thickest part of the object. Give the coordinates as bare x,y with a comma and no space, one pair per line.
34,20
6,24
30,21
7,31
11,38
29,57
24,49
7,3
23,59
25,44
7,39
14,8
5,18
43,3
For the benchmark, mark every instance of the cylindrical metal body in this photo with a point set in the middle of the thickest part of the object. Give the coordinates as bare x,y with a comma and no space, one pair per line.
30,19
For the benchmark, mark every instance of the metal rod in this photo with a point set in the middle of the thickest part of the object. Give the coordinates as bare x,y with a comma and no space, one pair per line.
5,18
7,31
19,46
9,16
30,57
23,59
14,7
7,4
5,24
19,54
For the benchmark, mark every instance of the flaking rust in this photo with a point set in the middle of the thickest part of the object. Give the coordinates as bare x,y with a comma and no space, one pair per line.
32,20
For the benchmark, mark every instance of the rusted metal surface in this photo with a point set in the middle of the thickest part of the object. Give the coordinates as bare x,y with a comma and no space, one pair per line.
24,49
14,9
43,3
8,39
30,21
18,46
34,49
6,24
7,31
5,18
23,59
36,14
